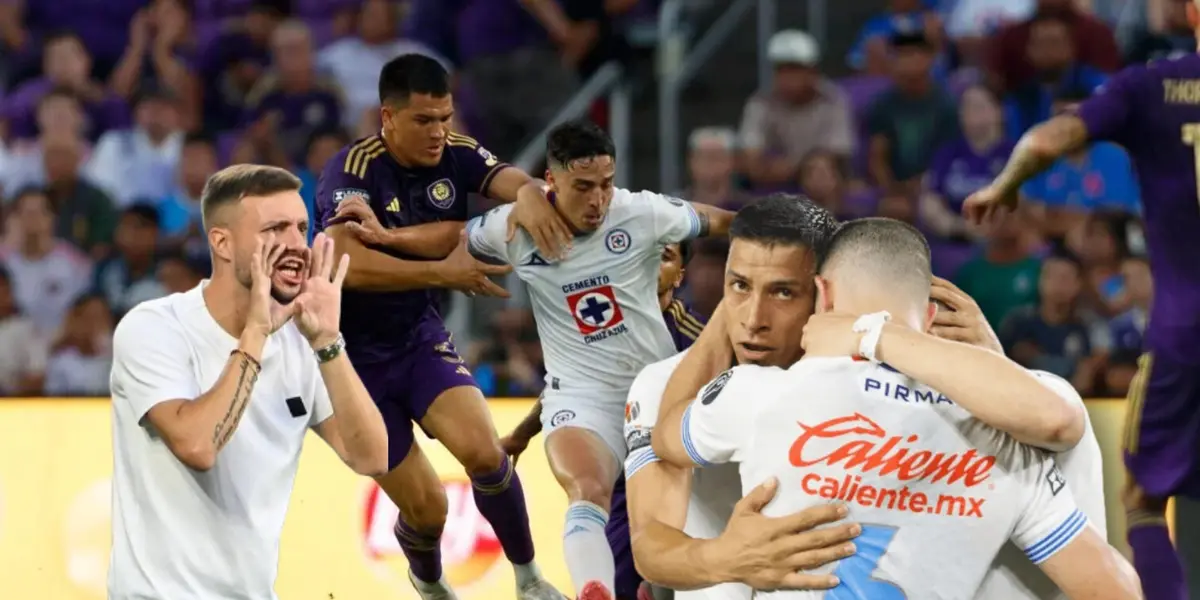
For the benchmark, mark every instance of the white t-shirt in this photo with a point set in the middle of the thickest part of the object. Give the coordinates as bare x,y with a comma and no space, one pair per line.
185,534
1012,576
980,18
715,490
46,287
918,472
597,310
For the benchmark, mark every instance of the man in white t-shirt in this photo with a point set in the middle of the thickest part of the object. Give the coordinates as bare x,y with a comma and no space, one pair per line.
915,467
213,392
599,321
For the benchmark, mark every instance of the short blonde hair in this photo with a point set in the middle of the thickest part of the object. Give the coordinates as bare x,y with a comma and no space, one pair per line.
231,184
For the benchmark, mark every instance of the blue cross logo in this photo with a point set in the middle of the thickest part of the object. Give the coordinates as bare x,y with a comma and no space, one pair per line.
594,311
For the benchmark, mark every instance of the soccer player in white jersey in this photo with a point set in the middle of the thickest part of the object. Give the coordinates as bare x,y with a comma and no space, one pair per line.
213,391
915,467
599,321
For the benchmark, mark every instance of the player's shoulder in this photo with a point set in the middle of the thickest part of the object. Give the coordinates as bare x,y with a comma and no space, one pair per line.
633,204
354,159
154,320
460,147
743,380
1154,72
1061,386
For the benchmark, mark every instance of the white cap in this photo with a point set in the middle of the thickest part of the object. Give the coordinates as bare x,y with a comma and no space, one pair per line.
792,46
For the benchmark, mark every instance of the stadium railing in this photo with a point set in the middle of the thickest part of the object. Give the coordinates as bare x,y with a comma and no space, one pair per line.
55,498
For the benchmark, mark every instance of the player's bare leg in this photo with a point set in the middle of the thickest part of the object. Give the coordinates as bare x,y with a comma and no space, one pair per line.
460,420
1154,557
417,491
586,469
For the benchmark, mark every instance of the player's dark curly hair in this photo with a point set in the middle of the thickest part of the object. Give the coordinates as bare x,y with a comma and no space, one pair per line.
785,220
409,74
577,139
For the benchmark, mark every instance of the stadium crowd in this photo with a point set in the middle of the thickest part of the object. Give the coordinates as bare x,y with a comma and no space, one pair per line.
114,115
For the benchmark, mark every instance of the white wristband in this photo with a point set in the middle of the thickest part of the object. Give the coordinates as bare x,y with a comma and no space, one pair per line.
871,326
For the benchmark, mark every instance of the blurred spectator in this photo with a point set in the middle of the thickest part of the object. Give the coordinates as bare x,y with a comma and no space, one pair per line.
1098,177
899,204
870,51
140,162
179,217
911,119
1127,329
711,164
291,101
1005,275
354,62
161,54
322,146
86,215
66,65
130,276
802,112
59,117
1102,248
1094,44
1052,335
505,51
971,22
81,357
22,350
47,273
177,274
597,23
1055,75
509,363
1177,38
102,27
234,61
961,167
823,180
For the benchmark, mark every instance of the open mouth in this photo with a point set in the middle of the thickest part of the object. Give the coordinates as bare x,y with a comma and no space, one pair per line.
290,271
755,351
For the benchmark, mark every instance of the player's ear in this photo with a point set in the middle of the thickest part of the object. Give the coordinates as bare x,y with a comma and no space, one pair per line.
679,278
930,314
824,298
220,240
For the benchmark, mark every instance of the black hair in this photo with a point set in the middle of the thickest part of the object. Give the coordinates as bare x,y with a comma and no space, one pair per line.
61,35
910,39
1062,254
29,191
229,185
325,131
576,139
685,252
409,74
144,212
785,220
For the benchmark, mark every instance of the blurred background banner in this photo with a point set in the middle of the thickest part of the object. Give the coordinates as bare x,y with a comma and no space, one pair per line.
56,465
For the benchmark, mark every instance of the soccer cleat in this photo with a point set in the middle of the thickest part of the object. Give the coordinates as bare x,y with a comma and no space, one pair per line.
539,589
432,591
594,590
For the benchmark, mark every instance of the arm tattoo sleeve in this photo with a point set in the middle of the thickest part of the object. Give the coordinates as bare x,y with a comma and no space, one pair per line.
247,375
703,224
1040,148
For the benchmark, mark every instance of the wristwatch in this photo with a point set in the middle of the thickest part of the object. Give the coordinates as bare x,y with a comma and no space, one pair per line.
331,351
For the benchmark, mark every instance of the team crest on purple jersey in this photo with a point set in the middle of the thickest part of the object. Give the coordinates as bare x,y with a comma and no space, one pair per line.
441,193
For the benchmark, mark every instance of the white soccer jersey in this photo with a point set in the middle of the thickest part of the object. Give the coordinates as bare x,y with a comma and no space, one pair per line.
597,310
714,490
191,535
45,288
1013,576
937,492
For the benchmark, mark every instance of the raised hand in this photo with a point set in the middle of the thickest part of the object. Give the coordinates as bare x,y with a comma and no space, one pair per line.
361,221
318,308
961,320
461,271
533,212
265,314
987,204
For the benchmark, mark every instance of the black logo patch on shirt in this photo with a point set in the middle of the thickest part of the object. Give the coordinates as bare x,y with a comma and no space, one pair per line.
296,407
1056,480
713,389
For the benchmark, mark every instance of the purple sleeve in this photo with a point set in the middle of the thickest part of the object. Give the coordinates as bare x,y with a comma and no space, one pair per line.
333,186
1106,113
476,165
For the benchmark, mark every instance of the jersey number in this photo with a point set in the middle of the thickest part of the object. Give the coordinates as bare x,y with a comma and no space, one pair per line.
1191,137
856,572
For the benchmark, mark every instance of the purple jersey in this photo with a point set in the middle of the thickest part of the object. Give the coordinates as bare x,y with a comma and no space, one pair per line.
378,325
1154,112
683,323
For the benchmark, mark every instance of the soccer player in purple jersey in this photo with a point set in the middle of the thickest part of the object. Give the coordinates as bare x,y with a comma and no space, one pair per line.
1154,112
415,171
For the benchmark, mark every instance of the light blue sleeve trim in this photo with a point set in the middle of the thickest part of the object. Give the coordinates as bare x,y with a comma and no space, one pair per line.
1058,538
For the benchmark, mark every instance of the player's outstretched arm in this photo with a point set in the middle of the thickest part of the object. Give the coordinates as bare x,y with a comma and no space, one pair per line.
967,375
532,211
1089,567
714,222
707,358
378,272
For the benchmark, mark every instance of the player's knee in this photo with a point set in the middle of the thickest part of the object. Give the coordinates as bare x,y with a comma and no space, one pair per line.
590,489
483,458
425,509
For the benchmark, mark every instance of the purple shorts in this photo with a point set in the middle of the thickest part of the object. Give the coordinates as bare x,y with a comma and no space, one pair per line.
1162,427
406,387
627,580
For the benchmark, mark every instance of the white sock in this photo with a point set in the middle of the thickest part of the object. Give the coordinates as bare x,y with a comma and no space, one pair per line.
585,547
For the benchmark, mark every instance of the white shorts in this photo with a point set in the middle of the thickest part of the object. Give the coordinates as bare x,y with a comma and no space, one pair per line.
724,591
598,412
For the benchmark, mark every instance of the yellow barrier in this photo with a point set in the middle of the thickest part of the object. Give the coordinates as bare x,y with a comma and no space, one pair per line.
56,461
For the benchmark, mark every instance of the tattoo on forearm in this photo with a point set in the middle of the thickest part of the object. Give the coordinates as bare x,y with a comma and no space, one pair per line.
703,223
247,375
1040,148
